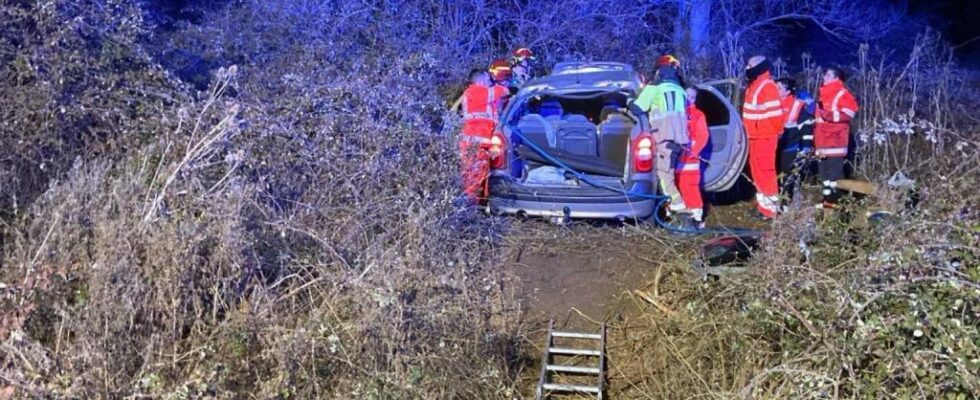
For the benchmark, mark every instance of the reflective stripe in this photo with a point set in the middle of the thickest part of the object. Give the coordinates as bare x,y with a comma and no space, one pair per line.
840,93
829,183
833,151
690,166
836,116
474,139
848,111
799,125
763,106
770,114
752,110
807,137
826,192
768,203
477,115
490,107
794,114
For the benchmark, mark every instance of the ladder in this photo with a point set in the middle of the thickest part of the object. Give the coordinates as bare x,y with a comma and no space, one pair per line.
568,350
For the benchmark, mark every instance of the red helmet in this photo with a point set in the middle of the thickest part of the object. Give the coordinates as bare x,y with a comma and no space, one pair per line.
500,69
668,60
523,53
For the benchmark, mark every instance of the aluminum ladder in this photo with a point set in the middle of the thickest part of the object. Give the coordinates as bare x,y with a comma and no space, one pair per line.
568,350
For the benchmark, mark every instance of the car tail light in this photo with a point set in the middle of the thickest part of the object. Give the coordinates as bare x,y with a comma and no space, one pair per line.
498,153
643,153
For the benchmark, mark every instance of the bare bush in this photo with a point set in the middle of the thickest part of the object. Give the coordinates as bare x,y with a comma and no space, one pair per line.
289,234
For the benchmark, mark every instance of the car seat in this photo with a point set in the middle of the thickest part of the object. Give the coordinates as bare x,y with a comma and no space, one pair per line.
614,137
577,135
536,129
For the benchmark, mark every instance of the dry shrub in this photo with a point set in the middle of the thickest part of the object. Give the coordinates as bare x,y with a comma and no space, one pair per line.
832,309
288,233
75,81
837,307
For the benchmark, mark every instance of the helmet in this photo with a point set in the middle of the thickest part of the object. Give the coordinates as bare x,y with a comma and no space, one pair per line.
668,60
500,69
523,53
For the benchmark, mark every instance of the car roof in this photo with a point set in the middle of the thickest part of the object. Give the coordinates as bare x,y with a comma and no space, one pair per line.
589,66
589,80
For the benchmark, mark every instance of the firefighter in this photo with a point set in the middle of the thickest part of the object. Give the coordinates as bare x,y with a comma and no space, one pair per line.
502,75
664,102
522,66
762,115
835,110
689,165
797,137
481,104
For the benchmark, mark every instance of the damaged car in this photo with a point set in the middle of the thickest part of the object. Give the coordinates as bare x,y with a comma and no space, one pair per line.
568,147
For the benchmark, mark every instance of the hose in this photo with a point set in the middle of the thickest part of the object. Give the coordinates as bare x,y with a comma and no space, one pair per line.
660,199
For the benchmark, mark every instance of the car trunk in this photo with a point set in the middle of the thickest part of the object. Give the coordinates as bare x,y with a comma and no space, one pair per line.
589,134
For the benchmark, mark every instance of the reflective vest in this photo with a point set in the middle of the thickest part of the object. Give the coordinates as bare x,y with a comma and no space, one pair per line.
795,130
837,109
762,112
697,131
791,109
481,108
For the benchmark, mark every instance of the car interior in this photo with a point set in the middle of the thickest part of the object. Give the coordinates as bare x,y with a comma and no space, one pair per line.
591,126
583,127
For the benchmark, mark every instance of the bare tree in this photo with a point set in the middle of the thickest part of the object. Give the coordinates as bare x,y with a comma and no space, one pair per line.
700,23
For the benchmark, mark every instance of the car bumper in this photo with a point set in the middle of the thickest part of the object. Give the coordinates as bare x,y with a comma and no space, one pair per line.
514,199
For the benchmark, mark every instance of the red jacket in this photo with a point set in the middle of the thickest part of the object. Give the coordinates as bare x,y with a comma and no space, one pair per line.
481,108
697,131
762,112
837,109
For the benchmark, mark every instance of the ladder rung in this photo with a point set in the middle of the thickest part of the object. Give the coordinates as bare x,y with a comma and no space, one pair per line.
576,335
574,352
573,369
555,387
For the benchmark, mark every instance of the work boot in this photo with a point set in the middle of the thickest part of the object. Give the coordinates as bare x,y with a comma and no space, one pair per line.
758,215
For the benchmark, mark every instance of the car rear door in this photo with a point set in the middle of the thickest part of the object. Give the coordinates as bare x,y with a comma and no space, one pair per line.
727,149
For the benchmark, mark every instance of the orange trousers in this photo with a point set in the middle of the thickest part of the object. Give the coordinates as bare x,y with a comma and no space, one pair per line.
762,165
475,167
689,183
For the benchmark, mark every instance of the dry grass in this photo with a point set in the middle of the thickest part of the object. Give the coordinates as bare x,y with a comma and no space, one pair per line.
837,307
290,233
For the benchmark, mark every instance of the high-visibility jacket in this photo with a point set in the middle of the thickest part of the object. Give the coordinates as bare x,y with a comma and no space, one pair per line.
762,112
697,131
664,104
837,108
481,108
798,125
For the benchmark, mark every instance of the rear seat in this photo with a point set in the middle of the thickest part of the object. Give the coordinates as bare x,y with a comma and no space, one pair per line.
536,129
614,138
577,135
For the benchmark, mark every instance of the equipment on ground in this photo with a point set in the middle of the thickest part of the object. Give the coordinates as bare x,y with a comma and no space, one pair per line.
575,347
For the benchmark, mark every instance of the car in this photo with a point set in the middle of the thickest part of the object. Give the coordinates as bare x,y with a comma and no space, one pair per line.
598,155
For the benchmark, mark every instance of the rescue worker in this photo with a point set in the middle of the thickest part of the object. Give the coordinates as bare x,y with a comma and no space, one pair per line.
501,74
481,104
663,101
522,66
762,115
835,110
797,137
689,165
